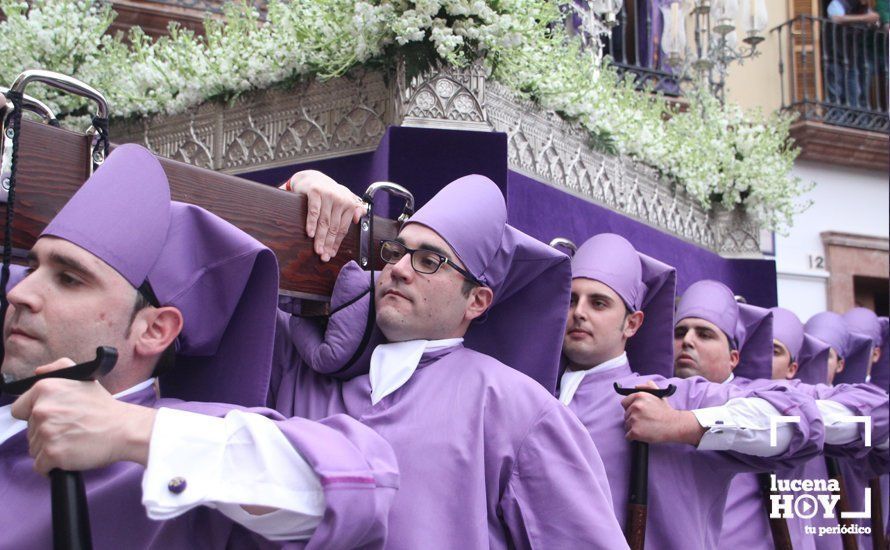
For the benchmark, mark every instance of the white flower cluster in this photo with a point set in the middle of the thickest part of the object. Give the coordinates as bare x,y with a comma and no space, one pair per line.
717,152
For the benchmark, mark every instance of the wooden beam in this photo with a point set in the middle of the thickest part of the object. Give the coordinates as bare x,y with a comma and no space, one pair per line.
53,165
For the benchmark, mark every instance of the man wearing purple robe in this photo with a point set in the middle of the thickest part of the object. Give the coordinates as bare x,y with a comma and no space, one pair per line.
849,358
619,330
123,265
865,322
488,457
797,354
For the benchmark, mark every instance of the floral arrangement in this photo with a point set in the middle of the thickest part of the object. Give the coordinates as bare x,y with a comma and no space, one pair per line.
717,152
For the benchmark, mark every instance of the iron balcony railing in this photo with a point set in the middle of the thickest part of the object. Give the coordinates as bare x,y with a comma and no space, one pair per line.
834,73
635,48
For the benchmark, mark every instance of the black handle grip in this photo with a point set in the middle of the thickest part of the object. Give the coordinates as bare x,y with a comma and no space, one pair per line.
106,357
71,518
638,490
657,392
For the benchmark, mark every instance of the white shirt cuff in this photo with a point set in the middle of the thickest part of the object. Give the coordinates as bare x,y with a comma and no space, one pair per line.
223,463
838,429
743,425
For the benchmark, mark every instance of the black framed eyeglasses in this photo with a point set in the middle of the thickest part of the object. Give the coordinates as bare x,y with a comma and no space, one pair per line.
422,260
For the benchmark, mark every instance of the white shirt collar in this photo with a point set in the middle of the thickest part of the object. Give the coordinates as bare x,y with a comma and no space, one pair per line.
728,380
571,379
10,426
392,365
137,388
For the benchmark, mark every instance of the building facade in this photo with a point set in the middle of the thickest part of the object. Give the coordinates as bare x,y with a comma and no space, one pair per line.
836,254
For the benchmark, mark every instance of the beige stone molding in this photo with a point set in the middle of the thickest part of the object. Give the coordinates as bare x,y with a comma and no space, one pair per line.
349,115
853,240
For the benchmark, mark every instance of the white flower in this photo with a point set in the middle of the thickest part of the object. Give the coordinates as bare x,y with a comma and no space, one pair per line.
715,151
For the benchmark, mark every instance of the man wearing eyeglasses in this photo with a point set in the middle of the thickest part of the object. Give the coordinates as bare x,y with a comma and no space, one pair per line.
396,298
469,320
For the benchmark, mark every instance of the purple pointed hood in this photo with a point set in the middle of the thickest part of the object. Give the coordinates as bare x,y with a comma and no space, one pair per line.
810,354
813,361
853,347
531,281
865,321
788,330
222,280
644,284
749,328
880,371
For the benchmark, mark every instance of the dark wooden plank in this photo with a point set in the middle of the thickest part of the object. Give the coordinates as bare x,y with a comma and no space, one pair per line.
53,166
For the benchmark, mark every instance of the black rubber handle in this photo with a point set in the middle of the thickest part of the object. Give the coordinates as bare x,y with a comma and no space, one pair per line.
106,357
638,489
657,392
71,516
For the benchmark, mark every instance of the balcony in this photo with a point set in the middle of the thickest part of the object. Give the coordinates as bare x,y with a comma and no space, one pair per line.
635,48
834,76
153,16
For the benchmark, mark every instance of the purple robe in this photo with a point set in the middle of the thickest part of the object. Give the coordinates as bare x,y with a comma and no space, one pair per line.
859,465
356,469
487,457
745,521
854,471
746,524
852,336
687,487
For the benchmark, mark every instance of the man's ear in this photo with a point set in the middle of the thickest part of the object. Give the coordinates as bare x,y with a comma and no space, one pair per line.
479,302
633,323
157,329
792,370
840,366
733,359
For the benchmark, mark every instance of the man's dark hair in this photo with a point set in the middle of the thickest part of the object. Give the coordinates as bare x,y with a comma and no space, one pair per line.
467,287
145,297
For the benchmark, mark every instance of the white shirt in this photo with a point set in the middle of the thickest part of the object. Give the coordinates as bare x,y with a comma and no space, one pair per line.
392,365
740,425
571,379
836,9
241,459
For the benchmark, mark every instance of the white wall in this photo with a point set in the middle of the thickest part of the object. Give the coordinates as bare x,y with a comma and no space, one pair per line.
844,199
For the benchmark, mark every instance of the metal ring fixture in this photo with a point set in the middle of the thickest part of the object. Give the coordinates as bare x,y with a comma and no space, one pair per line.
393,189
62,82
76,87
365,245
35,106
565,243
